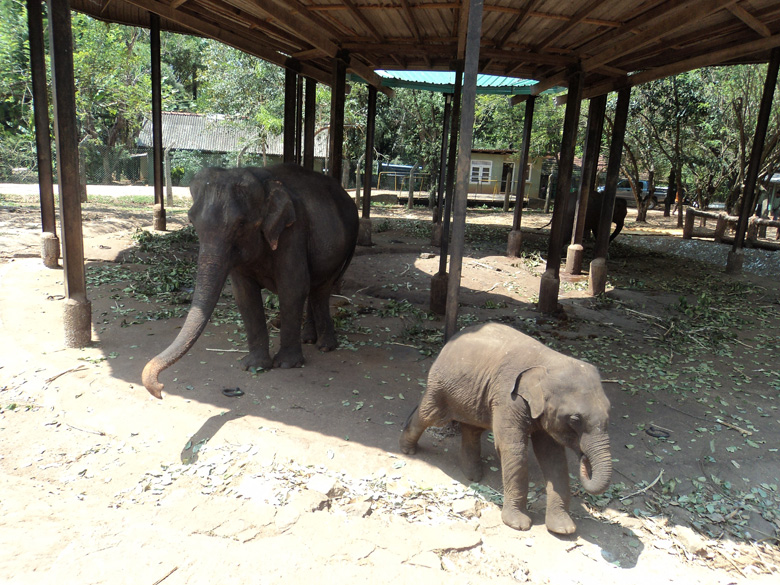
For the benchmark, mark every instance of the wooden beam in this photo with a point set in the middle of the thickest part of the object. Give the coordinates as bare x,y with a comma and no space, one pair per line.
516,23
358,14
654,31
176,3
575,20
706,60
222,33
740,12
412,21
461,30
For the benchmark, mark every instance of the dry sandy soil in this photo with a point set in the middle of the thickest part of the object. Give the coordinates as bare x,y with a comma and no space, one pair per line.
301,479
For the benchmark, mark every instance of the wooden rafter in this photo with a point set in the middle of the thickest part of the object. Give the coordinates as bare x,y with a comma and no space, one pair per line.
740,12
578,18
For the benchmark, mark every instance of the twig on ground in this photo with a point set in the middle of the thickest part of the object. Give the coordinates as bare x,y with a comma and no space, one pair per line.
171,572
227,350
100,433
644,489
76,369
735,427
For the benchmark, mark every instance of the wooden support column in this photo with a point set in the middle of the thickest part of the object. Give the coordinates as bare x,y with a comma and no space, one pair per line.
290,119
157,137
515,241
438,302
50,243
308,123
598,267
563,212
337,98
464,164
437,208
299,122
737,254
591,149
77,315
364,234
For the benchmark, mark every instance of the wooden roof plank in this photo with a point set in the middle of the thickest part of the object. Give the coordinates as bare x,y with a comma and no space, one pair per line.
740,12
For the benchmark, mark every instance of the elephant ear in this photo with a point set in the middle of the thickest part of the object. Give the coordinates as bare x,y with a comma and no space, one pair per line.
529,385
279,212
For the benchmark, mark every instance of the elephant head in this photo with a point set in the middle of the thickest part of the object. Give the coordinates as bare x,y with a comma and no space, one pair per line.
569,403
236,213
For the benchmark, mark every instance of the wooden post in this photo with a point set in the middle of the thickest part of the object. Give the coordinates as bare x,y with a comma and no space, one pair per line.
563,212
437,208
77,316
290,119
688,227
308,124
592,147
438,300
50,243
736,255
337,99
364,234
515,240
299,122
598,268
464,164
157,137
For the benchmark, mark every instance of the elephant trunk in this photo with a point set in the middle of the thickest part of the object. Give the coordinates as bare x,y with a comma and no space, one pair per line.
595,464
212,273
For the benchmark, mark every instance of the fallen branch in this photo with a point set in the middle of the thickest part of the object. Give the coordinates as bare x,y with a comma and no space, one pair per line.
644,489
76,369
100,433
735,427
171,572
228,350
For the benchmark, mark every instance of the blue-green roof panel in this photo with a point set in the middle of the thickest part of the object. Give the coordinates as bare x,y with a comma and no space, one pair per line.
444,82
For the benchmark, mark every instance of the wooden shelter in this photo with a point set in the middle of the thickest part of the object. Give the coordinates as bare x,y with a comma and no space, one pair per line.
590,46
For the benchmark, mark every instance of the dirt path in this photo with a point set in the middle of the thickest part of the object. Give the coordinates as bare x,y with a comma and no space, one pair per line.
301,477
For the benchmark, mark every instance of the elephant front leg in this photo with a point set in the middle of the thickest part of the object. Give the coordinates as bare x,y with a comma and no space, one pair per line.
471,451
512,447
249,298
552,460
291,301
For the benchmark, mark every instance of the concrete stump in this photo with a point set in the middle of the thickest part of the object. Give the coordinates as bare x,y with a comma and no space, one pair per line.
514,245
77,318
364,232
735,260
159,218
548,292
574,259
439,293
598,277
50,250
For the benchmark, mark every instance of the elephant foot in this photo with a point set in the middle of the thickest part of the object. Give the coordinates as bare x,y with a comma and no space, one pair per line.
288,358
560,523
327,342
309,333
408,447
516,519
471,469
258,360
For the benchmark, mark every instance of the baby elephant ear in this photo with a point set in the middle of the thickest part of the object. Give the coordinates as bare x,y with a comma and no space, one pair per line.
530,386
278,214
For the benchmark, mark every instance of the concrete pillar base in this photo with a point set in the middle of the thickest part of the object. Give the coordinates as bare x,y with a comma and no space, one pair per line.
159,219
735,260
436,233
598,277
514,245
77,318
439,293
50,250
364,232
574,259
548,292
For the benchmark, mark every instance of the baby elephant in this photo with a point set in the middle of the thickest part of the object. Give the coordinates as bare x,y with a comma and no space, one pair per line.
491,376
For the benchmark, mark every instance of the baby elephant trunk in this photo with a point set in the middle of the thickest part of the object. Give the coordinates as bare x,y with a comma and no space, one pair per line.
595,464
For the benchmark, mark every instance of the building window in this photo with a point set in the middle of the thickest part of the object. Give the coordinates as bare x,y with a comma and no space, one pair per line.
480,171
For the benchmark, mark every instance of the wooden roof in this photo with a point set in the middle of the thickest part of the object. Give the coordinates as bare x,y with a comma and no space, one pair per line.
616,42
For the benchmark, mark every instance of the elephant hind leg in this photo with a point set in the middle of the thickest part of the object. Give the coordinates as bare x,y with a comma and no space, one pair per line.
318,319
309,334
471,451
412,431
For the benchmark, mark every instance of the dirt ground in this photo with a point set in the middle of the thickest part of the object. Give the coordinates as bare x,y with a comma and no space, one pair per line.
301,479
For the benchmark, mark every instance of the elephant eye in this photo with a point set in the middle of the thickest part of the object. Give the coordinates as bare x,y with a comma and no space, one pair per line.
575,421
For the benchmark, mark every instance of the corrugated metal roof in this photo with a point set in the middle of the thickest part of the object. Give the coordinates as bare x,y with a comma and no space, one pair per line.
216,133
444,82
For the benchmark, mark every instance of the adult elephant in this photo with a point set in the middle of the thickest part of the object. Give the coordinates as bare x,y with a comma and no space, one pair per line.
593,214
491,376
284,229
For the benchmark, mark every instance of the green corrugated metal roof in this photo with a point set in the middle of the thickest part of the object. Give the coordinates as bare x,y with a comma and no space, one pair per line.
444,82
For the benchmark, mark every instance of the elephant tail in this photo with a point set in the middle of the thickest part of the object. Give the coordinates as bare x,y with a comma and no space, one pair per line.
409,418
